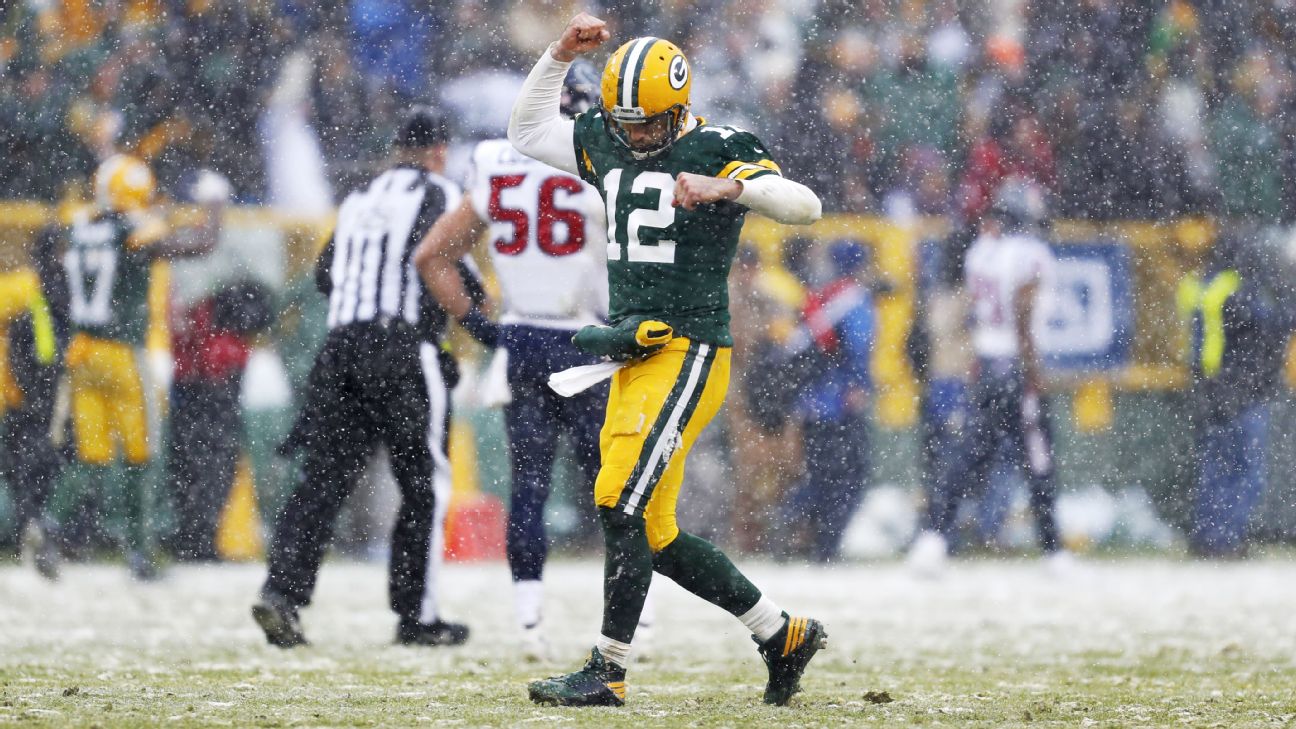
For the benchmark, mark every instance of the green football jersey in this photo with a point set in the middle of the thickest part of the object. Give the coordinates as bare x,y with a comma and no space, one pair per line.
668,263
108,279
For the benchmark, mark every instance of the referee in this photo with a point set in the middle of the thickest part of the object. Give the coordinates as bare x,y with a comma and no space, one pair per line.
380,378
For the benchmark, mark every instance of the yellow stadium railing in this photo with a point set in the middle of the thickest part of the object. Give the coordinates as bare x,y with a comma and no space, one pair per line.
1162,252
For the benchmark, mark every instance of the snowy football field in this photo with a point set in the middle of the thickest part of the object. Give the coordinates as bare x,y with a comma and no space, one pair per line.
1120,643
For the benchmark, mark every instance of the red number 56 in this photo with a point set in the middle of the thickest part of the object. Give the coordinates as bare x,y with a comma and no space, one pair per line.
547,216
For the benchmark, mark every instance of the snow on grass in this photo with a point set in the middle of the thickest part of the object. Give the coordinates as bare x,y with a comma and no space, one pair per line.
1118,643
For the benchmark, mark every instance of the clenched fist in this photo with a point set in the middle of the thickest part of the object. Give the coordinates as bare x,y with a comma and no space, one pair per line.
583,34
693,190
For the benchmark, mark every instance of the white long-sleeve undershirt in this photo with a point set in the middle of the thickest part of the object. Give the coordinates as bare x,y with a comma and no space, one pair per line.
781,200
537,130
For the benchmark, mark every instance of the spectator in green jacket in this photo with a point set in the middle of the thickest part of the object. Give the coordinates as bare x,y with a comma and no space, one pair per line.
1244,137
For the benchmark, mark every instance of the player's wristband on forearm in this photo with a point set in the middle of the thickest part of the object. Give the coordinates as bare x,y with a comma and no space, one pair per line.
551,57
480,328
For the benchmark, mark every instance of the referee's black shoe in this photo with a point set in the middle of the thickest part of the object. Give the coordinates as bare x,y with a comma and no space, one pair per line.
279,621
440,632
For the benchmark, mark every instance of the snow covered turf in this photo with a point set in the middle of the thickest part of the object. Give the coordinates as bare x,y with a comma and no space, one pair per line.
1124,643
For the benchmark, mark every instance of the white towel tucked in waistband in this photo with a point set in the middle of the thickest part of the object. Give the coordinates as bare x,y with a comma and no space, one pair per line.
579,379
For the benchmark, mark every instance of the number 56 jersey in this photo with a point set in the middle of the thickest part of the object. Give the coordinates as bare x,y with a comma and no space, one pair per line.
664,262
546,238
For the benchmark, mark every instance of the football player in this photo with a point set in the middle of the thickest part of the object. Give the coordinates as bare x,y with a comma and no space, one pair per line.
675,189
1007,270
108,262
548,248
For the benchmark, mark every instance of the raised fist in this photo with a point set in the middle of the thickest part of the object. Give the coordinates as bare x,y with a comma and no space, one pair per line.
583,34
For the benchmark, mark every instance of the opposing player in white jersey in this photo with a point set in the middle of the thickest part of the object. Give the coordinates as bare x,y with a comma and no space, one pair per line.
1006,269
548,244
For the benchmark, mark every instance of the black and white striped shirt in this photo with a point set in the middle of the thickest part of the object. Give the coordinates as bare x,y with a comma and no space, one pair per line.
366,269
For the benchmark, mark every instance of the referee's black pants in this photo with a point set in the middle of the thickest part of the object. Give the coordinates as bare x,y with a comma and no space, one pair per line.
371,384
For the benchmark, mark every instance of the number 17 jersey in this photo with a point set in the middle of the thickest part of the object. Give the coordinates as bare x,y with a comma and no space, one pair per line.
664,262
108,275
546,238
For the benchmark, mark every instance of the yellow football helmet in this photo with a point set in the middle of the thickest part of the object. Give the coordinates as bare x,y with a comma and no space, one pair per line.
123,183
645,80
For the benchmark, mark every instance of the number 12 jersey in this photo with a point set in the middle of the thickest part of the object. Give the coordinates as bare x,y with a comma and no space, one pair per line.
664,262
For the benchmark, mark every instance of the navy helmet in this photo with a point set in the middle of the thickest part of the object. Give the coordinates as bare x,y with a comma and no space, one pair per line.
580,88
1019,205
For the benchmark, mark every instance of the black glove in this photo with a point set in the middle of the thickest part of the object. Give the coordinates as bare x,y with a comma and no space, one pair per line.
633,338
480,328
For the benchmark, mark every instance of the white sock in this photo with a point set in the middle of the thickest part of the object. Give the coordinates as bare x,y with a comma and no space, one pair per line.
528,596
614,651
764,619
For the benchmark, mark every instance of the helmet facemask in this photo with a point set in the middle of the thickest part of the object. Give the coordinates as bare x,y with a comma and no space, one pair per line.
615,120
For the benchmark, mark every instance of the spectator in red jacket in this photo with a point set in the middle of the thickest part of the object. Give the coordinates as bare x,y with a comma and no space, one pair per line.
211,348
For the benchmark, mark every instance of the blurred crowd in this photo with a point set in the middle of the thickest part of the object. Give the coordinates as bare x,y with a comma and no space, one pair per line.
1120,108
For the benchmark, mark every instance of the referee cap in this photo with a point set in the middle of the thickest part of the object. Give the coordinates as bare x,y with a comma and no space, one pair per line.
422,126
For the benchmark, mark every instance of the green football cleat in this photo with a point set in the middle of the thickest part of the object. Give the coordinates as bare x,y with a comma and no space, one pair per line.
599,683
787,654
